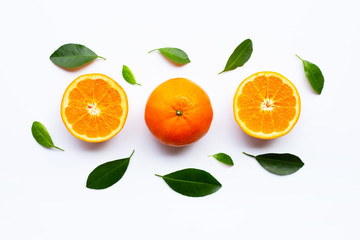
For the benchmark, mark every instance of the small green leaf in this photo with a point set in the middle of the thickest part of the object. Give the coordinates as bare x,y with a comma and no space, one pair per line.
192,182
240,55
279,163
107,174
175,54
314,75
42,136
129,76
73,55
224,158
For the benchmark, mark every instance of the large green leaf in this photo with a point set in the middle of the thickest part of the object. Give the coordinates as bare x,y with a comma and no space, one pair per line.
42,136
279,163
240,56
192,182
73,55
175,54
107,174
314,75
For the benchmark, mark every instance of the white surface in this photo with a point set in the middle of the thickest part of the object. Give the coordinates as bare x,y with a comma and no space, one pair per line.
43,193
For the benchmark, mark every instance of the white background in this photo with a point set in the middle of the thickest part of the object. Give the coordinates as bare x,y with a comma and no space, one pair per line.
43,193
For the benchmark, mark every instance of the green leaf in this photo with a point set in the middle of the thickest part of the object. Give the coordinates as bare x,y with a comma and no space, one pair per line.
107,174
42,136
175,54
192,182
314,75
279,163
224,158
240,55
129,76
73,55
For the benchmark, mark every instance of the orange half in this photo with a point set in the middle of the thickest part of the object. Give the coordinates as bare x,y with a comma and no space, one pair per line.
94,107
266,105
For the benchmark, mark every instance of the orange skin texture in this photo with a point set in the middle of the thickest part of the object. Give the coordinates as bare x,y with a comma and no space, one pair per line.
162,107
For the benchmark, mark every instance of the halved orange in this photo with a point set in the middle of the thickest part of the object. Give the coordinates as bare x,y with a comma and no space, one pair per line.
266,105
94,107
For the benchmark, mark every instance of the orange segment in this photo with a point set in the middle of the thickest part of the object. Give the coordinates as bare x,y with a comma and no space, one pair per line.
94,108
266,105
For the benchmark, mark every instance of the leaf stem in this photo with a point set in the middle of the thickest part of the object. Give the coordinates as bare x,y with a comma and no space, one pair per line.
101,57
132,153
249,154
59,148
158,175
299,57
153,50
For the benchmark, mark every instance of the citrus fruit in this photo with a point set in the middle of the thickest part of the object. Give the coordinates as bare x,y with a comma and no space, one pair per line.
94,108
178,112
266,105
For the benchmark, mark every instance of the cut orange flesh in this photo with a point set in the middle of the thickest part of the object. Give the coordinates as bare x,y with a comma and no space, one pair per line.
266,105
94,108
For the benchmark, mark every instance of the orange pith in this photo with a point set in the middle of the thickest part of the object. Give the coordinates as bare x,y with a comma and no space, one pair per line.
266,105
94,108
178,112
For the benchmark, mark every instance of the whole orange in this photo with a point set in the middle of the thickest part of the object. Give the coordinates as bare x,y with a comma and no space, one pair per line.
178,112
